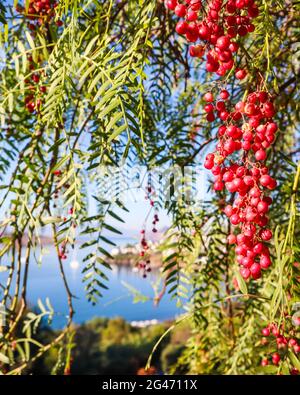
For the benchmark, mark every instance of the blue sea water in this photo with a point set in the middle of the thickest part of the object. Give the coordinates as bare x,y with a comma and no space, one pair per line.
45,282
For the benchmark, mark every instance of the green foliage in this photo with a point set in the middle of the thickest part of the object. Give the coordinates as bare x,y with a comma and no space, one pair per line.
109,346
119,85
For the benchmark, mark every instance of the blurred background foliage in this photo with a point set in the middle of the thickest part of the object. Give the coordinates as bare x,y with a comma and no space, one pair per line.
113,346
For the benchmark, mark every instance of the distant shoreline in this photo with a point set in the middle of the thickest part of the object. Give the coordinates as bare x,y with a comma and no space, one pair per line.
133,258
127,255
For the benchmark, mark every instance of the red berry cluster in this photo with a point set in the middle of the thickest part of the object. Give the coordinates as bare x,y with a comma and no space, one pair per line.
247,128
283,340
40,12
36,90
154,222
145,264
242,140
58,176
150,194
216,25
63,251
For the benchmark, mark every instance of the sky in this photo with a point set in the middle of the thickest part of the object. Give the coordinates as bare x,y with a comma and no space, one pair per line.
139,207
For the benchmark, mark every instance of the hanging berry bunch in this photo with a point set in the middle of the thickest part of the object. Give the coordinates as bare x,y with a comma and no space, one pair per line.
155,220
57,176
282,343
238,165
39,13
150,195
63,251
36,90
216,25
246,131
145,264
59,187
